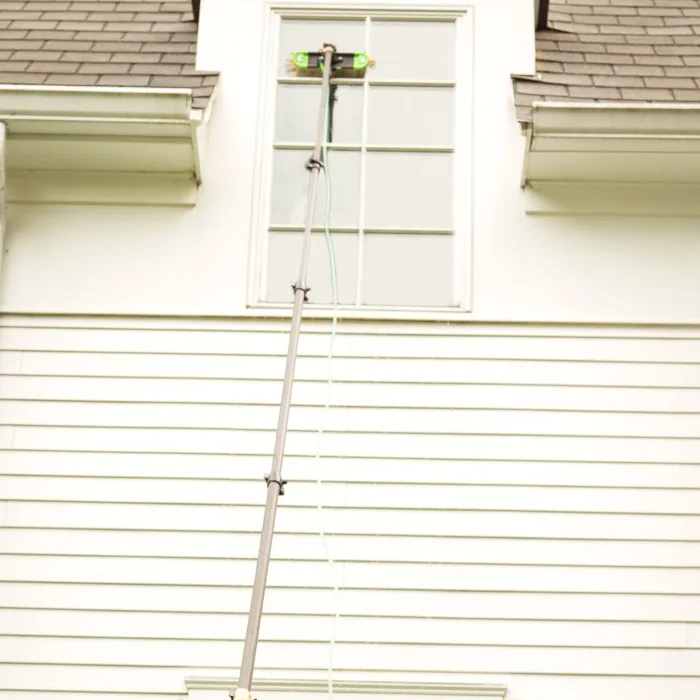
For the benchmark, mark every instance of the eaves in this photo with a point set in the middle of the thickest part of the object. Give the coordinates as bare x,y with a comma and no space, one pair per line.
101,145
597,158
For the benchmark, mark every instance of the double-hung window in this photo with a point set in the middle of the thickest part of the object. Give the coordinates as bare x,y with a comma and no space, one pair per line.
398,162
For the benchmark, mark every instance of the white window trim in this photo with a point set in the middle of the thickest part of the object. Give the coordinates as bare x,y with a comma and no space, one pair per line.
219,688
463,14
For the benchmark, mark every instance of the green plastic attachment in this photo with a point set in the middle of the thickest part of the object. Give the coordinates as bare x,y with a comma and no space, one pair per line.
301,59
361,61
306,60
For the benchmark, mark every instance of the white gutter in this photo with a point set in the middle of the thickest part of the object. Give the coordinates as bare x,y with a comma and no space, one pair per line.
81,130
94,102
599,141
640,119
612,158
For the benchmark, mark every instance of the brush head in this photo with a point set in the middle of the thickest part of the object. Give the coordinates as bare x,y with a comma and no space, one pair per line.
309,64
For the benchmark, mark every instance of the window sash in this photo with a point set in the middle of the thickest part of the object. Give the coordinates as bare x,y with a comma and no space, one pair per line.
458,150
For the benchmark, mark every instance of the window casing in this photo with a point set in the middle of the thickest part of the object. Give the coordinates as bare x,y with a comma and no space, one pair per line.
399,162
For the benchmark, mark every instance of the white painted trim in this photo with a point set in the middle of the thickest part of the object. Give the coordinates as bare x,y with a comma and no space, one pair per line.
641,121
359,326
262,178
3,191
134,117
361,234
359,8
613,199
49,101
572,143
462,15
463,217
282,685
154,189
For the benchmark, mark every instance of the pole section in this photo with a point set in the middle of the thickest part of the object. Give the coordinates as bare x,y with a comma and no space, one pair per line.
274,480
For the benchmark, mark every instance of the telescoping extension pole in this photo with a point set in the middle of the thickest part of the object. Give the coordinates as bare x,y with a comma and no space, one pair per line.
275,484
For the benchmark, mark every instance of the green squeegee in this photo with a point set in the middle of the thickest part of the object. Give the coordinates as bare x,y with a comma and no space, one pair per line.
306,62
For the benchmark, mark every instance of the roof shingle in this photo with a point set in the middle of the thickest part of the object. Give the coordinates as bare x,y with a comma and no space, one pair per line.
615,51
125,43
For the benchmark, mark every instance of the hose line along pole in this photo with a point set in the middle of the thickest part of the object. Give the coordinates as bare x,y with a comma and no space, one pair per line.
274,480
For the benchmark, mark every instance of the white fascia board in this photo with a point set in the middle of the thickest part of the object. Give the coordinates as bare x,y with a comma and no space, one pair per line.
105,112
95,102
612,158
603,119
80,131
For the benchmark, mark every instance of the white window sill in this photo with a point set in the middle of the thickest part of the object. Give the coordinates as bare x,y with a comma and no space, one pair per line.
322,312
220,688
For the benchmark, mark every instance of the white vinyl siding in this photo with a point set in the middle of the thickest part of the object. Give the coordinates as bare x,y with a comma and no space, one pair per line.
506,504
395,161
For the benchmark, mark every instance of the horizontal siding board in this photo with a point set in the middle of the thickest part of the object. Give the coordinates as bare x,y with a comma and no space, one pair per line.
290,628
361,575
354,521
261,324
368,548
356,657
381,370
351,394
196,467
7,434
336,494
79,679
514,500
462,605
10,362
80,695
370,445
355,345
355,420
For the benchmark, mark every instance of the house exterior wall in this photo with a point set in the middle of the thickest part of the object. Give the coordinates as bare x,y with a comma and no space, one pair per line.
511,498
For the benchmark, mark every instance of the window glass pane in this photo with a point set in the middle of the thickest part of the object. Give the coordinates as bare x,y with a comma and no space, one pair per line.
407,269
348,36
290,183
413,50
297,114
284,256
414,116
409,190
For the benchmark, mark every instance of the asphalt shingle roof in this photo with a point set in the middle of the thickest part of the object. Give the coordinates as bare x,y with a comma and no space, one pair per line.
123,43
616,51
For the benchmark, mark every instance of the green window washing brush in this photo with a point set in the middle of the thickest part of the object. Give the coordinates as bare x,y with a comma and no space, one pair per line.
309,64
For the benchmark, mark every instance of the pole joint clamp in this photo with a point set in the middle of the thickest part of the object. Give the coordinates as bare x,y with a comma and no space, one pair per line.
306,290
314,164
280,481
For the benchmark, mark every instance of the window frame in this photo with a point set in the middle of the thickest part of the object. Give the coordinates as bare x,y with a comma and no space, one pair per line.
463,16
